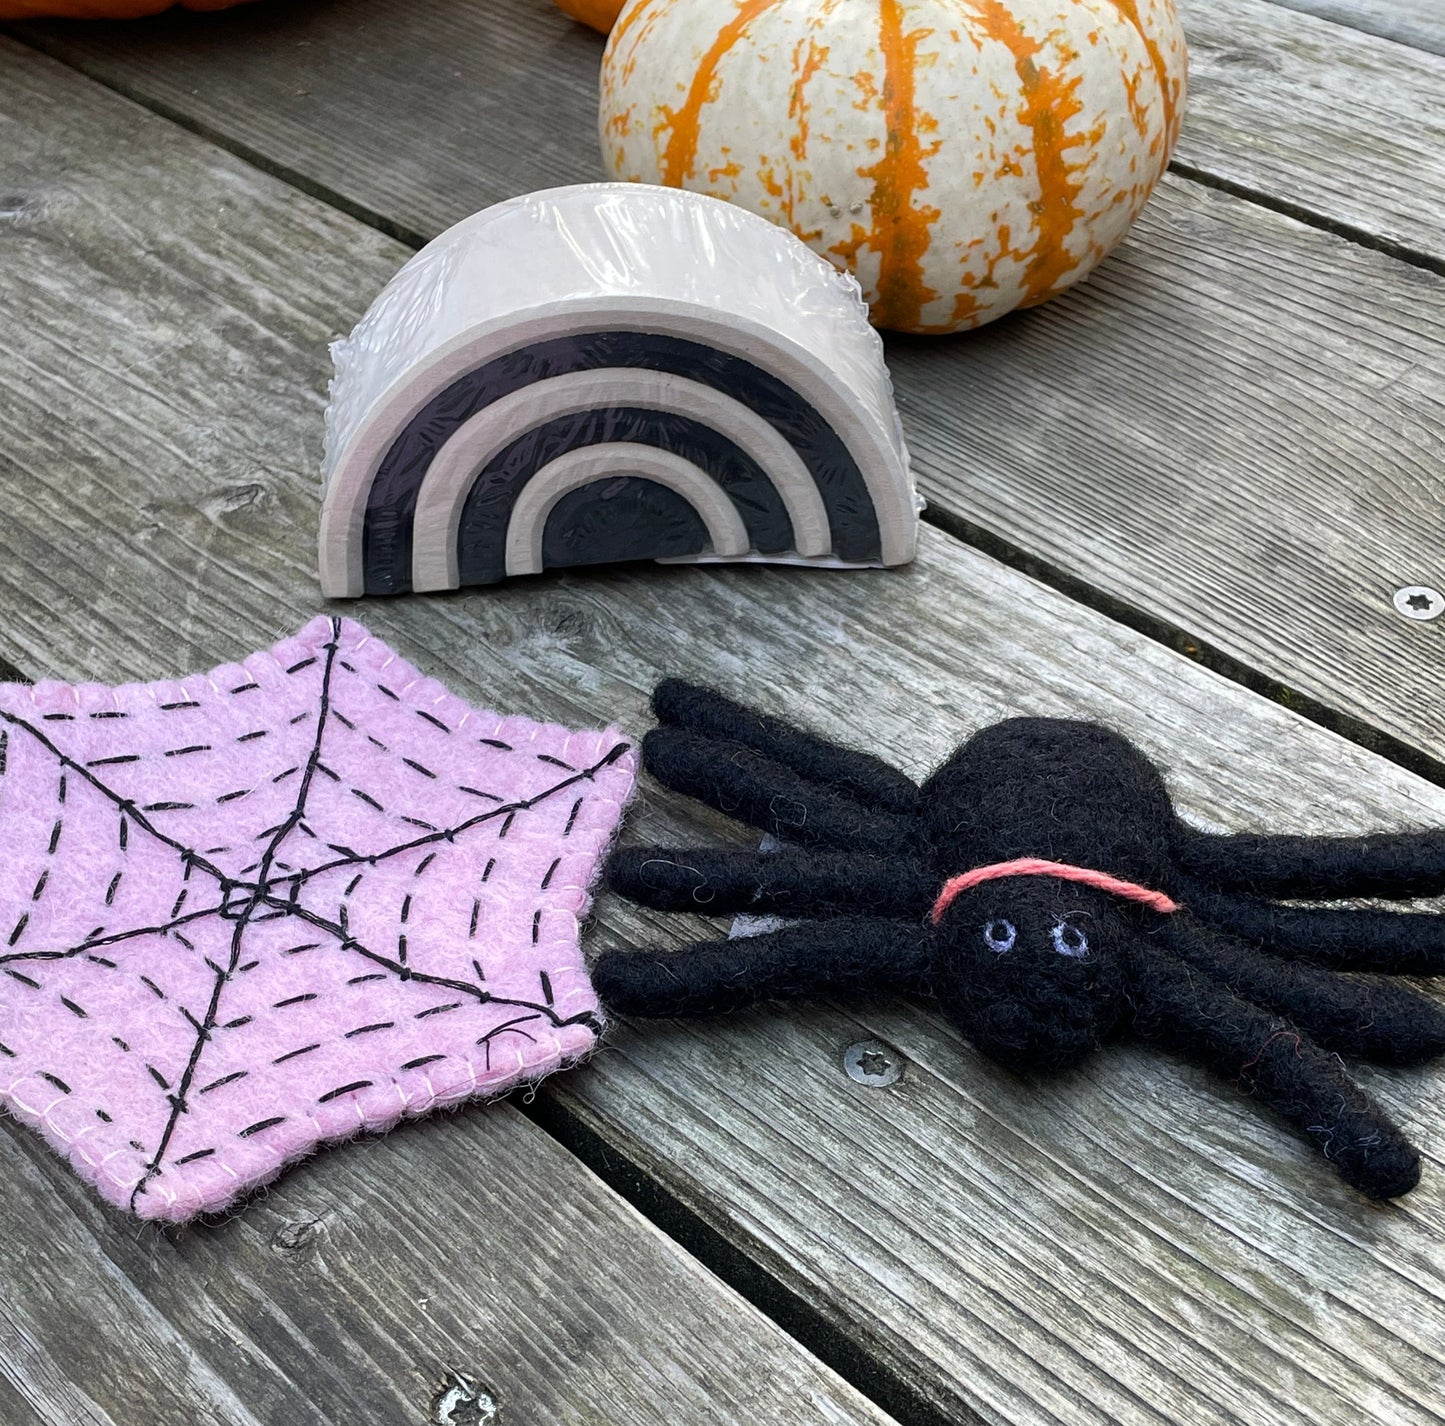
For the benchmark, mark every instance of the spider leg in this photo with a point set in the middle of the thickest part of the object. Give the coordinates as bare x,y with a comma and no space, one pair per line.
1386,864
753,788
1366,1017
710,977
1189,1012
1386,942
711,714
790,882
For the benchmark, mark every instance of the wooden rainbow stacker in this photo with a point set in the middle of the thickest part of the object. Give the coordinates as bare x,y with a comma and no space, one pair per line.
610,372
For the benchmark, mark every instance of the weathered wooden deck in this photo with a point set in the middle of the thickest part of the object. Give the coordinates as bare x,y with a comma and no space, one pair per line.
1179,499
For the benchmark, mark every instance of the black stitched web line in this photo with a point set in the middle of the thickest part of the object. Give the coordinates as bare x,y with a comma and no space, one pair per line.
251,898
208,1024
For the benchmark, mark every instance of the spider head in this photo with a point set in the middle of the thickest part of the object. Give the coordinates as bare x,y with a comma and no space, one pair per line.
1030,970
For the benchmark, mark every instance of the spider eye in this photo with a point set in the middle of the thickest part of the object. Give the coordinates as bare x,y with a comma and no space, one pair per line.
1070,941
1000,936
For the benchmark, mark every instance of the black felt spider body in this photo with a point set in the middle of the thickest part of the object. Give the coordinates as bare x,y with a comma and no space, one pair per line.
1144,924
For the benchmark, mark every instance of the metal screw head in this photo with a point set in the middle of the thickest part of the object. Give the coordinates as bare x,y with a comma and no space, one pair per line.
1419,601
873,1063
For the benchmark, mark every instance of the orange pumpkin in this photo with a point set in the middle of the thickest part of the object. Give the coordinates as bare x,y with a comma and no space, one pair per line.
960,157
600,14
101,9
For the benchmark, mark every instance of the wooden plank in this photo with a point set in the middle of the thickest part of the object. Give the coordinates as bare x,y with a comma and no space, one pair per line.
470,1248
16,1366
1275,111
388,116
472,1244
1236,428
1141,435
1420,23
396,120
1131,1243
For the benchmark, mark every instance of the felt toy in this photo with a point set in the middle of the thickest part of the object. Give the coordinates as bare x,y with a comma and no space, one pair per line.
601,15
1041,888
102,9
961,157
281,903
609,372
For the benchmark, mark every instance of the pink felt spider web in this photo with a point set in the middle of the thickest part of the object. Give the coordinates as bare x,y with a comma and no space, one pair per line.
280,903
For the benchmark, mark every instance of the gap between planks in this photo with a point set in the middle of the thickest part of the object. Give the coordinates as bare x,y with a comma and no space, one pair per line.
1227,127
1127,1244
1273,116
1419,24
1277,116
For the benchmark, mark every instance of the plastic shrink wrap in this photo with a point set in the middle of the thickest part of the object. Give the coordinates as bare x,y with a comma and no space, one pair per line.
609,372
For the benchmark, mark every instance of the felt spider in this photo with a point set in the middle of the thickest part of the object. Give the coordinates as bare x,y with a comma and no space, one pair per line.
1040,886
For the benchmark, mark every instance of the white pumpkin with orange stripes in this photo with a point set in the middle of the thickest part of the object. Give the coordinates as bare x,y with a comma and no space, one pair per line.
960,157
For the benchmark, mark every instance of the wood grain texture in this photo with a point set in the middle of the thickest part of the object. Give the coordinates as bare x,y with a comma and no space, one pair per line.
1420,23
389,116
1238,427
1132,1243
156,282
467,103
1235,427
469,1247
1322,120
